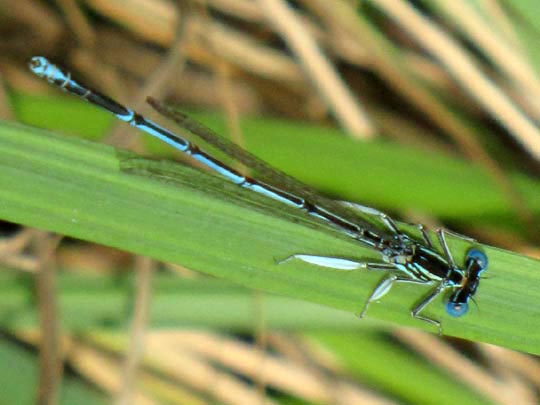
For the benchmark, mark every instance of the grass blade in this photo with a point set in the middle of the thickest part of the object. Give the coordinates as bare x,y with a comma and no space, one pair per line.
76,188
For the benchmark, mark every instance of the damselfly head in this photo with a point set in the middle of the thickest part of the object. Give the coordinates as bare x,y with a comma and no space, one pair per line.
458,302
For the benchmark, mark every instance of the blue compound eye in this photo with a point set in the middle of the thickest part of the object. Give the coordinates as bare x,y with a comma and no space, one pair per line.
478,256
457,308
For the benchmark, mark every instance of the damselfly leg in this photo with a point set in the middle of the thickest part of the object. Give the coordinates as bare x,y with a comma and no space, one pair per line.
425,235
384,287
405,266
387,220
415,313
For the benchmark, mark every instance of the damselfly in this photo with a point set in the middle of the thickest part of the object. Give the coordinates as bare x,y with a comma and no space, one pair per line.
406,258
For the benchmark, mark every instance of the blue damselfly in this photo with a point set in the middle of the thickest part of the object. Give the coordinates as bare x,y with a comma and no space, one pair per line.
405,258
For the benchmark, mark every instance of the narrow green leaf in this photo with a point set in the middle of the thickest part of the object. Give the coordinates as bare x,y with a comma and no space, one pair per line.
523,15
76,188
73,390
371,356
90,302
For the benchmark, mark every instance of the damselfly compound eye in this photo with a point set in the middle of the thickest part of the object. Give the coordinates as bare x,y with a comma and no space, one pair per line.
478,256
457,308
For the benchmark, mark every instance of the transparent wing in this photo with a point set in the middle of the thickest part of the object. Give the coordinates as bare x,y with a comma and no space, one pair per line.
268,173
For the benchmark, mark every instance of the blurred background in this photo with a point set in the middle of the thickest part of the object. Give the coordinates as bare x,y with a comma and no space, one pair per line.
452,79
